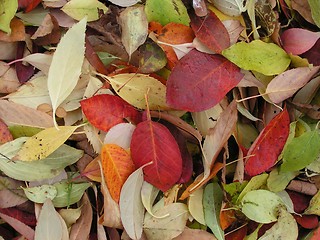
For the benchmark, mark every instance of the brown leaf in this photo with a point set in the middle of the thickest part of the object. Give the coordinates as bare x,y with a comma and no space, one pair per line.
17,32
303,7
195,234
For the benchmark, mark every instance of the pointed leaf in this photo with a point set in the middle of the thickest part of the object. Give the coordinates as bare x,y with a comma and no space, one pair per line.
153,143
132,87
194,205
92,171
134,28
48,225
315,12
149,194
120,134
117,165
287,83
78,9
216,39
199,81
7,12
153,58
66,64
131,207
104,111
265,150
44,143
265,58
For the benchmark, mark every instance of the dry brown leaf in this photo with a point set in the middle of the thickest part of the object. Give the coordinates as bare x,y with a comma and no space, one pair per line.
17,34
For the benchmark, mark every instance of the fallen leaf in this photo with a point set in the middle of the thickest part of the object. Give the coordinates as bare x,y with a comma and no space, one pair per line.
134,28
195,206
124,3
153,58
11,194
216,39
28,5
66,65
120,134
8,11
92,171
41,193
199,81
153,143
194,234
48,224
117,166
313,54
105,111
44,143
131,207
78,9
149,194
315,13
255,183
230,7
266,58
265,150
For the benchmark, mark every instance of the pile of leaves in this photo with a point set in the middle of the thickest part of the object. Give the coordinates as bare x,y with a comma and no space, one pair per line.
159,119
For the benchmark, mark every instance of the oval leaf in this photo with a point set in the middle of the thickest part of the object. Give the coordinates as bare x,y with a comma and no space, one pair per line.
199,81
265,150
41,193
153,143
117,166
265,58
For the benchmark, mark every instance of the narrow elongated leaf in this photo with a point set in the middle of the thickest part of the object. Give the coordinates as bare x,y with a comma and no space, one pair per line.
261,206
149,194
44,143
287,83
131,207
265,150
194,206
153,143
117,166
301,151
199,81
7,12
166,227
48,225
78,9
66,64
217,38
132,87
104,111
265,58
212,202
46,168
134,28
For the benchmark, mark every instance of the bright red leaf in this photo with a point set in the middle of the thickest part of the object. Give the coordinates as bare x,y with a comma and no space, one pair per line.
153,143
307,221
200,80
28,5
211,32
297,40
104,111
266,148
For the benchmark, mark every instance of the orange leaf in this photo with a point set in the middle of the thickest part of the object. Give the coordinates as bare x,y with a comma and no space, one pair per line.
227,217
5,135
117,165
155,27
17,32
174,33
92,171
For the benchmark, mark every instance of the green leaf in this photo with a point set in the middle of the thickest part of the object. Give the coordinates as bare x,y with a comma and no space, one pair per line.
167,11
36,170
8,9
261,206
66,65
69,193
78,9
234,189
134,28
315,11
212,203
153,58
301,151
106,58
18,131
255,183
277,180
41,193
266,58
314,205
44,143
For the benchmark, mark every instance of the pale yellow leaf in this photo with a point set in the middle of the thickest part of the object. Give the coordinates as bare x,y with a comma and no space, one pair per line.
134,27
44,143
66,65
195,206
78,9
132,88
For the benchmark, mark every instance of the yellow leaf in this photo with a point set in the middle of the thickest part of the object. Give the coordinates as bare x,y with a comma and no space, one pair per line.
132,88
65,68
117,165
44,143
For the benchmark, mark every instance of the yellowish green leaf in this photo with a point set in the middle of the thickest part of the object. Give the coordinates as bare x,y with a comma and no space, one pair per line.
41,193
315,11
255,183
44,143
314,205
134,28
65,68
266,58
78,9
8,9
132,88
70,215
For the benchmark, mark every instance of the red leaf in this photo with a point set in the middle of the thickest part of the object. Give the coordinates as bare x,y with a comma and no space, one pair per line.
238,234
24,217
28,5
153,142
268,145
24,73
307,221
297,40
316,234
200,80
300,201
313,55
104,111
211,32
5,134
